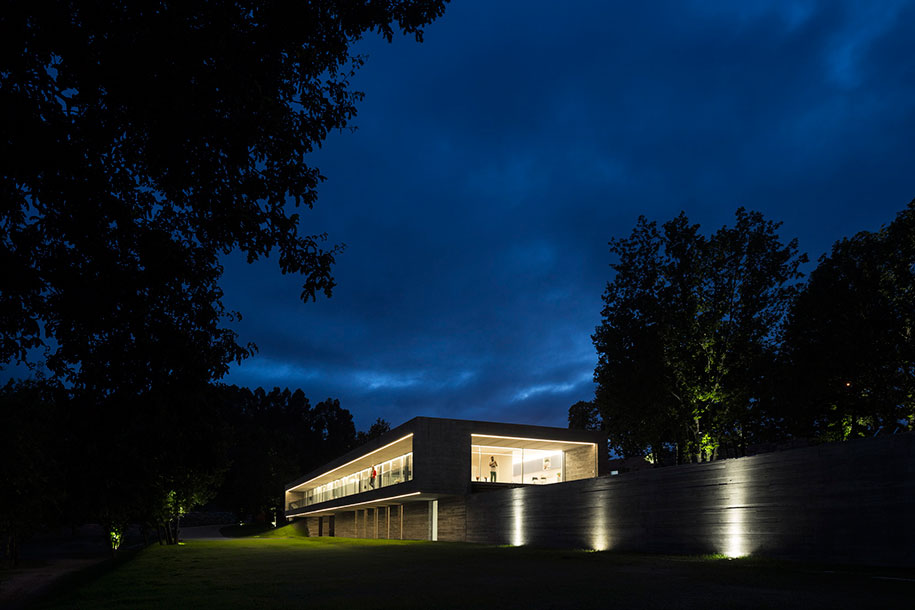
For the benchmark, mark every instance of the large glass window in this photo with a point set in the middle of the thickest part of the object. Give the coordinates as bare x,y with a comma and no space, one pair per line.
388,472
495,464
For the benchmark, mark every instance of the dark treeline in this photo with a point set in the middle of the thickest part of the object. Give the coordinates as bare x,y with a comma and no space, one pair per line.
131,169
709,344
63,465
278,436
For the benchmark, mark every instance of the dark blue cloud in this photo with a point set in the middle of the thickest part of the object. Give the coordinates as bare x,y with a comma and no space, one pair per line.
493,162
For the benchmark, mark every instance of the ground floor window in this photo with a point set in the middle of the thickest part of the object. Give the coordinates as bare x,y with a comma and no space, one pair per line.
495,464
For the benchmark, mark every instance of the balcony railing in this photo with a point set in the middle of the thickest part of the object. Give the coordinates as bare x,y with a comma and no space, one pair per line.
391,472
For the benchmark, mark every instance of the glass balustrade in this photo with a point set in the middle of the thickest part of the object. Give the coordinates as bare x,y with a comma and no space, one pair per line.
387,473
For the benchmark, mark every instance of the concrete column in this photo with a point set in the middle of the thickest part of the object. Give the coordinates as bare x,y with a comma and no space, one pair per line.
433,520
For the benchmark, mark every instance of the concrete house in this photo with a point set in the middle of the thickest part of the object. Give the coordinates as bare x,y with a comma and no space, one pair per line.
414,482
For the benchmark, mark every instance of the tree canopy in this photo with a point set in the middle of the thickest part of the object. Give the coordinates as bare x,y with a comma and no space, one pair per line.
277,436
583,415
148,141
849,355
710,343
144,142
688,331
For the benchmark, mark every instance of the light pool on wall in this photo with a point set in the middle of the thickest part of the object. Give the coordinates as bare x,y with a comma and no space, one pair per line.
517,517
736,543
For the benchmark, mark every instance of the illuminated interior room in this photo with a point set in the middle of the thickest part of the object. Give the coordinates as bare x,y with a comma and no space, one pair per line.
526,460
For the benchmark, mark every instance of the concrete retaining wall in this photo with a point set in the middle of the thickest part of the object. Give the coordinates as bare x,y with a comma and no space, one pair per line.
848,502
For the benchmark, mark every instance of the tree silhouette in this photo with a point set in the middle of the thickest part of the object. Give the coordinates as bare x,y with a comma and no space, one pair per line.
584,415
849,352
277,436
690,325
143,143
147,142
375,430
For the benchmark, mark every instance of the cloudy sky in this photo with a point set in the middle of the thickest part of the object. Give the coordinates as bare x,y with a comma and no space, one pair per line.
493,162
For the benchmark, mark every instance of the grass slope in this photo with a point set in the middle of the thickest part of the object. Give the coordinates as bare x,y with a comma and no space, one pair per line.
282,569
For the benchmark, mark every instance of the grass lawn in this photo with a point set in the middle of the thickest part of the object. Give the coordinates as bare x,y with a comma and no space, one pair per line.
282,570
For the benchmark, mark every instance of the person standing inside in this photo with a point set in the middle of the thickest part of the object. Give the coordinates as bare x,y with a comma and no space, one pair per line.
374,474
493,464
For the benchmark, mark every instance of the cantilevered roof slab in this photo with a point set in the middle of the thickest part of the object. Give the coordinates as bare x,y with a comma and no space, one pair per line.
516,442
392,450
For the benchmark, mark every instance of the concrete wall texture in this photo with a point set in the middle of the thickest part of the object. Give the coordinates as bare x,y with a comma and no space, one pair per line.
850,502
581,463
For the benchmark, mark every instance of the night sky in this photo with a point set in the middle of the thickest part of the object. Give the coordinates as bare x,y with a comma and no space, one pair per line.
493,162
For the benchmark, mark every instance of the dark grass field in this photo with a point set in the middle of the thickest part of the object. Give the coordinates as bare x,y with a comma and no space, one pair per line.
282,570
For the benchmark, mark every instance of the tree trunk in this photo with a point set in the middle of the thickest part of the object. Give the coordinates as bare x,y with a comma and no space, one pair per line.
12,549
172,529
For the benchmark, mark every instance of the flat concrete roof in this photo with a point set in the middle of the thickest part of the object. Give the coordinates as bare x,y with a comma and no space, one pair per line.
516,442
392,450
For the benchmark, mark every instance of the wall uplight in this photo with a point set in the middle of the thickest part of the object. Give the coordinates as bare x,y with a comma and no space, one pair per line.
600,530
735,515
517,517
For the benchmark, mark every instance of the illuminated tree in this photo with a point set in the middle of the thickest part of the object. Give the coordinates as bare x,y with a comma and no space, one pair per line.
690,325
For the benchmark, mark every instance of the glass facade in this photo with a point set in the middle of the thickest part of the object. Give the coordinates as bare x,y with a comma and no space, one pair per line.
494,464
388,472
